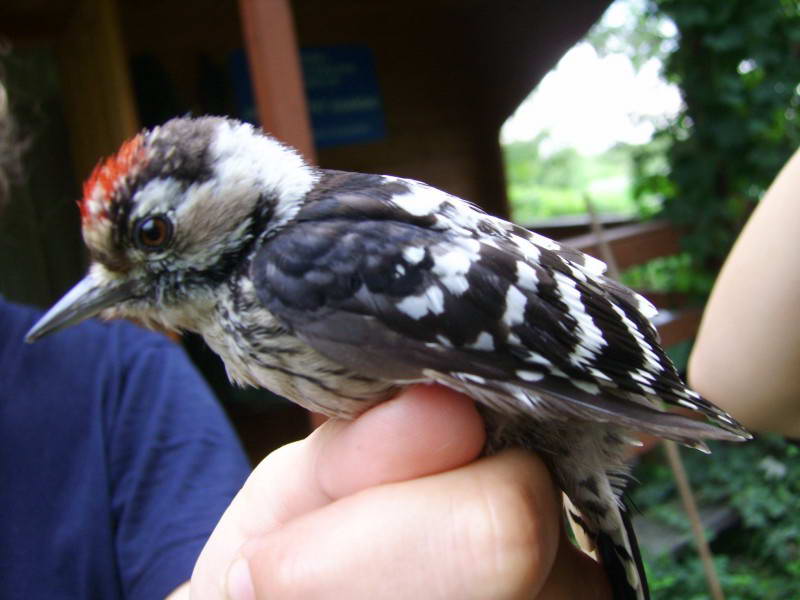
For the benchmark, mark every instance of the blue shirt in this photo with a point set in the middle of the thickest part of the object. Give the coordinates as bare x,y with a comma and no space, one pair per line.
115,462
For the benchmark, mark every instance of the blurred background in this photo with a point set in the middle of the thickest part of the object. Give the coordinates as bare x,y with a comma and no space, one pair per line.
652,125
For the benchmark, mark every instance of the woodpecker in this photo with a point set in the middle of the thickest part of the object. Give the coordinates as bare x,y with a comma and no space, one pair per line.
338,289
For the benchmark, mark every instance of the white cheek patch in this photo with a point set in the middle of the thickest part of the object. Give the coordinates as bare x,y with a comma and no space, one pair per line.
208,223
249,162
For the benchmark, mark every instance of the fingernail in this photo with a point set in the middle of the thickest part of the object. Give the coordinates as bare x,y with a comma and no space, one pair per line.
240,583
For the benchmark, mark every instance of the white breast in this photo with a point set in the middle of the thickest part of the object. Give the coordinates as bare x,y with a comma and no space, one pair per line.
258,351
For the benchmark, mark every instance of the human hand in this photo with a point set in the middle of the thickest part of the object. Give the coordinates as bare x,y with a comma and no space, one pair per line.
395,505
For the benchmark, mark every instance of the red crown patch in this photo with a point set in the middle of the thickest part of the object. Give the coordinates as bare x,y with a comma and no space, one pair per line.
106,175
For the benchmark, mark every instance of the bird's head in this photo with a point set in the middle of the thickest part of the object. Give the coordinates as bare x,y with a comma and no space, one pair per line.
172,214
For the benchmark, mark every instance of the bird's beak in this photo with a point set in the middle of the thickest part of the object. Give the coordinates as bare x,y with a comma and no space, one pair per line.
86,299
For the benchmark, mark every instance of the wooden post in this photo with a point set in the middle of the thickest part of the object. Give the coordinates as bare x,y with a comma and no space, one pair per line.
276,73
690,506
96,87
277,79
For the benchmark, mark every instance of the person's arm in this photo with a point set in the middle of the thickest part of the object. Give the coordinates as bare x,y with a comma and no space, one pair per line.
747,355
397,504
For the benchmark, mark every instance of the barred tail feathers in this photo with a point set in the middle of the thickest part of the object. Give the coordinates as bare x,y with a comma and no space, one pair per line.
619,552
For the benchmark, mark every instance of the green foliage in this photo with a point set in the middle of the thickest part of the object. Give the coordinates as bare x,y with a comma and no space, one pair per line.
760,559
670,274
643,36
737,66
542,186
738,70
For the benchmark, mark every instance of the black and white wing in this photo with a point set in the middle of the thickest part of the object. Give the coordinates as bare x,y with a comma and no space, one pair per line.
398,280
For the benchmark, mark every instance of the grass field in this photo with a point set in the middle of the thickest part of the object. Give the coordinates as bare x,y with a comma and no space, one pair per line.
558,184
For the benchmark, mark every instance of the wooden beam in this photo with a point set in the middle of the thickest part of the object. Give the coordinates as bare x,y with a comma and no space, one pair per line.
276,73
676,326
632,244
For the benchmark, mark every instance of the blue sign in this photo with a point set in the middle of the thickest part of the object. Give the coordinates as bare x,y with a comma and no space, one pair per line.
343,95
341,88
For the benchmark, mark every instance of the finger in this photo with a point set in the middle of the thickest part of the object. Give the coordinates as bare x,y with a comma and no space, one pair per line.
487,530
425,429
428,429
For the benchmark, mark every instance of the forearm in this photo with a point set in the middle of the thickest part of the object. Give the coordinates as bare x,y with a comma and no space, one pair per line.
747,355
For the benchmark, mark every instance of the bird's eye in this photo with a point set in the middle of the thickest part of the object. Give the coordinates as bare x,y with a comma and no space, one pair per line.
153,233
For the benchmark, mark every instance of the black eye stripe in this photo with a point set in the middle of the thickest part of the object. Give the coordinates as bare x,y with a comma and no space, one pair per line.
152,233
